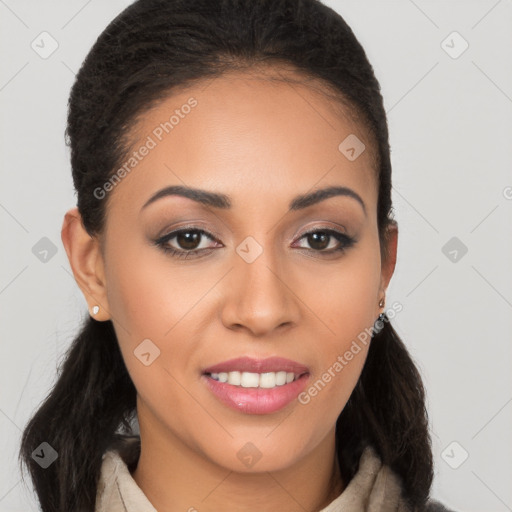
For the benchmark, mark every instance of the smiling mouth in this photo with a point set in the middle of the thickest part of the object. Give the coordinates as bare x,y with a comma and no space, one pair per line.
266,380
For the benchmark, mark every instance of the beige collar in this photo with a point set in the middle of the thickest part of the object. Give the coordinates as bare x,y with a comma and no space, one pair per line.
374,488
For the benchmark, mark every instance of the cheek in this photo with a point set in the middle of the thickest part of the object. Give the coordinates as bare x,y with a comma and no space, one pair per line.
335,377
148,294
346,302
345,295
151,300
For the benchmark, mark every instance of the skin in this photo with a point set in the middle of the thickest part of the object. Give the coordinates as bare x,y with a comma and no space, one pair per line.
262,143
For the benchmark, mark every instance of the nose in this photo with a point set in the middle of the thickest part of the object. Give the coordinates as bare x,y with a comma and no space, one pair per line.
258,297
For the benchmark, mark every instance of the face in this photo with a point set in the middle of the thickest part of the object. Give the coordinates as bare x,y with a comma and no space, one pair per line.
253,271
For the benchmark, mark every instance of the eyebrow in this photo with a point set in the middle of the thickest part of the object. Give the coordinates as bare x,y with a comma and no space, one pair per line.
223,201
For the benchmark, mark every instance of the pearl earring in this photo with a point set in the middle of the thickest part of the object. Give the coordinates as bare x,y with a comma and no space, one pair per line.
381,303
95,310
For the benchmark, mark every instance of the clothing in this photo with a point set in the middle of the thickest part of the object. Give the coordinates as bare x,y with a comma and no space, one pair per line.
374,488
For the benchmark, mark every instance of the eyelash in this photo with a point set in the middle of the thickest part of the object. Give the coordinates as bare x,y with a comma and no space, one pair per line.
345,240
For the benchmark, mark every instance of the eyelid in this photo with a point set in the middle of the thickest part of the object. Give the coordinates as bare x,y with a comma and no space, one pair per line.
191,226
175,232
340,228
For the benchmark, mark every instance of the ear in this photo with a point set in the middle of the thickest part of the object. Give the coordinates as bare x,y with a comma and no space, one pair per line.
86,260
389,257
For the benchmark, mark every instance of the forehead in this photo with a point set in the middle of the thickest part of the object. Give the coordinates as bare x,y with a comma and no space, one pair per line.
248,136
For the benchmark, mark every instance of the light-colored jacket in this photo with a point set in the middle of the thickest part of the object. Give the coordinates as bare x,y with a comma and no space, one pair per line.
373,488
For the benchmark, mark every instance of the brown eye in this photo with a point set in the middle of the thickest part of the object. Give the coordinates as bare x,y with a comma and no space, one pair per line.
324,241
186,242
188,239
318,240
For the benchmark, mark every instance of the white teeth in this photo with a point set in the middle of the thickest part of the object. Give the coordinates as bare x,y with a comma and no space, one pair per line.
250,380
234,378
265,380
280,378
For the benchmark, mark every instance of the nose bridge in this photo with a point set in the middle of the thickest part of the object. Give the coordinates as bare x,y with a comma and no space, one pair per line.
258,296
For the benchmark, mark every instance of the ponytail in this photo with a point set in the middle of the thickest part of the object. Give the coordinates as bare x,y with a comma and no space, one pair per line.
387,410
79,419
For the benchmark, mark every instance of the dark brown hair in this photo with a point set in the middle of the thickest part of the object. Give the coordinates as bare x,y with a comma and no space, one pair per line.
145,54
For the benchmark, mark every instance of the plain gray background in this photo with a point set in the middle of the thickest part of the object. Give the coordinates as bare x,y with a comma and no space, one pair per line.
450,121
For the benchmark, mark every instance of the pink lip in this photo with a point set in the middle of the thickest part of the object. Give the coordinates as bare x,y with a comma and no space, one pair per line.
248,364
256,400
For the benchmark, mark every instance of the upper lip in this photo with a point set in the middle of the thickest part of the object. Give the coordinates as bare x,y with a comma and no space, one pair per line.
248,364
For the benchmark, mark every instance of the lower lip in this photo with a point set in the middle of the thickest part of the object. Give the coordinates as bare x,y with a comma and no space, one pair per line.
256,400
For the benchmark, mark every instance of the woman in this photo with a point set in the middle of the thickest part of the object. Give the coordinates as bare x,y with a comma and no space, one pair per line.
233,239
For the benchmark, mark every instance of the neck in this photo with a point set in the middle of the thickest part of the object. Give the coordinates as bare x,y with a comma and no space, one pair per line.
175,478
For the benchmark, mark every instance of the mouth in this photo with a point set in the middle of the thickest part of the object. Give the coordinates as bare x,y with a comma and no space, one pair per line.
256,386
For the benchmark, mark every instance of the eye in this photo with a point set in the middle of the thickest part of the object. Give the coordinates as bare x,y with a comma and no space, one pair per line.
322,241
188,241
